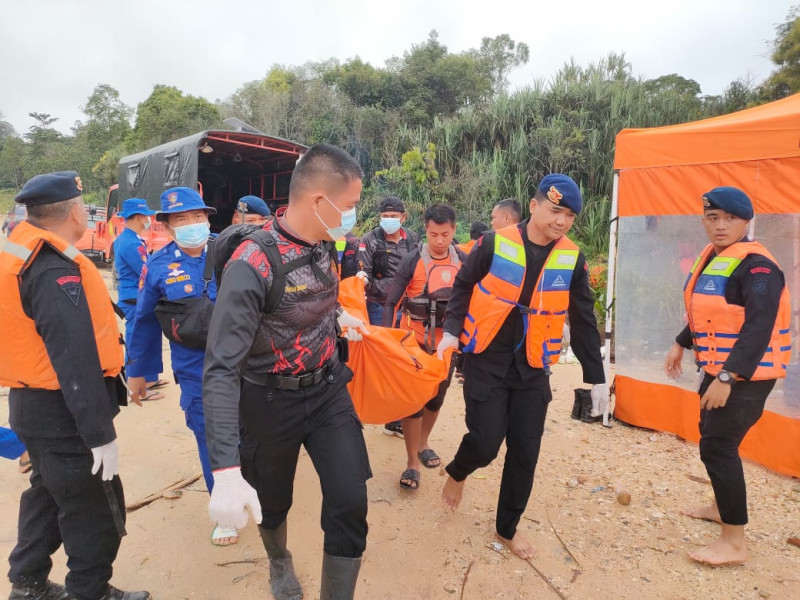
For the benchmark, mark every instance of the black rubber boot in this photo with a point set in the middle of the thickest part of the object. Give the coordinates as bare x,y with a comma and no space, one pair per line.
339,577
46,590
282,579
585,406
115,594
576,405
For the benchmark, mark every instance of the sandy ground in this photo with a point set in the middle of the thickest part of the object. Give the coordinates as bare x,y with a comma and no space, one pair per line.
589,546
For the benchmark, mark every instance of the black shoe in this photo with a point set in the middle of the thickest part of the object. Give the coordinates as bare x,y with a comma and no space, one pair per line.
38,591
583,407
115,594
394,428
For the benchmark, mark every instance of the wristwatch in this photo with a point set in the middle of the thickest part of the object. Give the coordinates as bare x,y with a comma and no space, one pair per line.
725,377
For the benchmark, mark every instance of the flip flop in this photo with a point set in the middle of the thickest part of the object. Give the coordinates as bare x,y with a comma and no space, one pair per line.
157,384
428,456
220,533
153,396
25,465
410,475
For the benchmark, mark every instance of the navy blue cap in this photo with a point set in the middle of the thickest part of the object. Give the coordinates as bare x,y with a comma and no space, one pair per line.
50,188
731,200
562,190
181,199
135,206
252,205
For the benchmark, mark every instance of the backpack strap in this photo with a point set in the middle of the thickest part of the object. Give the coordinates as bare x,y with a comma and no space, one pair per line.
208,267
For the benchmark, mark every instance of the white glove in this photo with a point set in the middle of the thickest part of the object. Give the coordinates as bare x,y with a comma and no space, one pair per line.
448,341
352,327
230,498
599,399
108,457
363,276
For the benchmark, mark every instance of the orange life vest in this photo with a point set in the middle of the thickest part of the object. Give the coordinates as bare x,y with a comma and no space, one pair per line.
23,357
498,293
467,247
424,313
715,324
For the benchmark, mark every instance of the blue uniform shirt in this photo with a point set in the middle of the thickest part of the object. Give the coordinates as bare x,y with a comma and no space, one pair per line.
130,255
171,274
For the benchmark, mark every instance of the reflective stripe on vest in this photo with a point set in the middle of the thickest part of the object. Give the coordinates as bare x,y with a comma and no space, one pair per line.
498,293
340,246
715,324
25,363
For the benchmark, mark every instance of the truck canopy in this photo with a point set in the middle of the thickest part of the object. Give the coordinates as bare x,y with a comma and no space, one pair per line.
222,165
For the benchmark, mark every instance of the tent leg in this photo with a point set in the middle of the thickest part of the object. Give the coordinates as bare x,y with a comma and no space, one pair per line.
612,262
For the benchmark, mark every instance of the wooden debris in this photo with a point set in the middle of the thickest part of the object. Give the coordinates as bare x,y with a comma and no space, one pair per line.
464,583
697,479
563,543
794,541
180,484
546,580
244,561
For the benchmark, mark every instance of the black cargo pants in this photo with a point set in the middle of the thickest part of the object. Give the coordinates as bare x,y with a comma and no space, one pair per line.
66,504
275,423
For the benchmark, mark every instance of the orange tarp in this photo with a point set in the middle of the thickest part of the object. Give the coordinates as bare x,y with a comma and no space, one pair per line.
663,171
392,376
668,408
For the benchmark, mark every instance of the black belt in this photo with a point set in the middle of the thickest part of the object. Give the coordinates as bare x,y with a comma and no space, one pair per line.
295,382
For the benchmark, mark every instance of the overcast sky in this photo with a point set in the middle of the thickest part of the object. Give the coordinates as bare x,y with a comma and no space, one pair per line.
54,52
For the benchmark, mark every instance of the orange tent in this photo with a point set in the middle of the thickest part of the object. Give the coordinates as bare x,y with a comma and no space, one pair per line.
660,176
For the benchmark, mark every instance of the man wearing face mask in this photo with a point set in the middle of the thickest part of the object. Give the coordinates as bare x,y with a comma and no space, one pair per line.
272,388
176,272
380,253
130,255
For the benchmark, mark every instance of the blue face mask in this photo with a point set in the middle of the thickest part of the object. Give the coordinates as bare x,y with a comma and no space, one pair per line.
390,224
192,236
347,222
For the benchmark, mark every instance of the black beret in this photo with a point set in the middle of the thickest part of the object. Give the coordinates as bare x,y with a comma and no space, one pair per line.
50,188
391,204
730,199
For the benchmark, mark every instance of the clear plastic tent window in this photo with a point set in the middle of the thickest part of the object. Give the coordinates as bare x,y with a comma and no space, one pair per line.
655,255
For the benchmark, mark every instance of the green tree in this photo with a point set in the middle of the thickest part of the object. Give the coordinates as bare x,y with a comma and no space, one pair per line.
6,130
12,163
498,56
785,80
108,119
167,114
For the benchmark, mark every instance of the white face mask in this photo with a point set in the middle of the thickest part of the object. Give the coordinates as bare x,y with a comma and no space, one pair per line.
146,223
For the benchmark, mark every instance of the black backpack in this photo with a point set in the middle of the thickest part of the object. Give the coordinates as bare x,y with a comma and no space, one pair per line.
232,237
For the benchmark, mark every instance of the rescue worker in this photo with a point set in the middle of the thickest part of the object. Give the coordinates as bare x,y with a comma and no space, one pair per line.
505,213
130,255
476,230
283,384
250,210
379,255
55,308
739,317
176,272
508,305
424,281
347,253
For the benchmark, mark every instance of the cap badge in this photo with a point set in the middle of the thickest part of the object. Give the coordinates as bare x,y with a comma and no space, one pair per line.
241,206
554,195
706,202
172,198
78,184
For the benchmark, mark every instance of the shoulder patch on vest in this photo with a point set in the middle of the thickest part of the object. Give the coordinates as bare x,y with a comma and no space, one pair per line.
71,286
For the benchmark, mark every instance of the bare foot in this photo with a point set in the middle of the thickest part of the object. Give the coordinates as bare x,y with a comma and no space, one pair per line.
719,553
519,545
706,513
452,492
